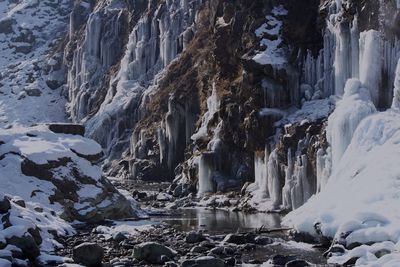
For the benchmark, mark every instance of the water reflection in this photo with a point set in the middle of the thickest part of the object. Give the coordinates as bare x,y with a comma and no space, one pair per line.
221,221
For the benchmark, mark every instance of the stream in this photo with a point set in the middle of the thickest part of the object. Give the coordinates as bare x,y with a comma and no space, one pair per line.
171,228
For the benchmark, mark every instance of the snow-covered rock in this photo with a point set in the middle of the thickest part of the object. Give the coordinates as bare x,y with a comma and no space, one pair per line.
53,170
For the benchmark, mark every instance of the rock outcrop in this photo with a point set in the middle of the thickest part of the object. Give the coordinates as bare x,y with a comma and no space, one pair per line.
56,172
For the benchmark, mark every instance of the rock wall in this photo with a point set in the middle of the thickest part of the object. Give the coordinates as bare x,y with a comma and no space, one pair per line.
114,57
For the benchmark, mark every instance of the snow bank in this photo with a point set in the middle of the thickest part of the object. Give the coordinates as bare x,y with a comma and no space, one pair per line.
360,203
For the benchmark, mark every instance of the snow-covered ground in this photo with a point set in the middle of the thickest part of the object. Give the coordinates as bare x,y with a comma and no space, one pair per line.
30,32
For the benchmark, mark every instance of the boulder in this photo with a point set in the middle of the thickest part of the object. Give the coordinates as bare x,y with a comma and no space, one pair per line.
263,240
27,244
281,260
88,254
33,92
153,252
194,237
297,263
239,239
67,128
5,205
6,25
205,261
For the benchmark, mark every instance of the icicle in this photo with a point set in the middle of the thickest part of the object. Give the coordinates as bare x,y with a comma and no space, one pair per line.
396,91
323,168
273,181
371,63
286,191
260,172
206,171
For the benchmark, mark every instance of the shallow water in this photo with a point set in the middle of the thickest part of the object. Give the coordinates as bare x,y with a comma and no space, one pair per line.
220,221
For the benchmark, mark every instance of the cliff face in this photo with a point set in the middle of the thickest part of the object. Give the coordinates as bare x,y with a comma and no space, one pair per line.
115,50
217,95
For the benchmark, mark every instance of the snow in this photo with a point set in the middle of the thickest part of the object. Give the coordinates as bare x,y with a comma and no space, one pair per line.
310,111
128,229
21,72
273,53
5,263
362,195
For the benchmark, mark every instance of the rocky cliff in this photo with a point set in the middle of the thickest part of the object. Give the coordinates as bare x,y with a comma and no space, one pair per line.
218,95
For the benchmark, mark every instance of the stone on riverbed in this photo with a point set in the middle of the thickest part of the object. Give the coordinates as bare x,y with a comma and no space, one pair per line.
88,254
205,261
239,239
153,252
194,237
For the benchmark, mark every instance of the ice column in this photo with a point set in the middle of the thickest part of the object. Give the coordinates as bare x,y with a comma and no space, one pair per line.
396,91
206,171
371,62
273,179
354,107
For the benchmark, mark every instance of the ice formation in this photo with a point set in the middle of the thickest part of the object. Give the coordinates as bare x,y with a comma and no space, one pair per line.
396,91
361,197
206,174
349,112
153,43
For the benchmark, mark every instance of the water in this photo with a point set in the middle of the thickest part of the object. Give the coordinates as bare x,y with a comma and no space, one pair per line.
220,221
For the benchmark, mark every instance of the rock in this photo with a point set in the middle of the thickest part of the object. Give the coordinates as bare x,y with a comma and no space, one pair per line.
194,237
178,191
119,237
222,250
302,237
6,25
163,197
88,254
239,239
5,205
199,249
208,261
20,202
382,252
189,263
141,195
297,263
263,240
281,260
67,128
152,252
35,233
170,264
33,92
27,244
53,84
